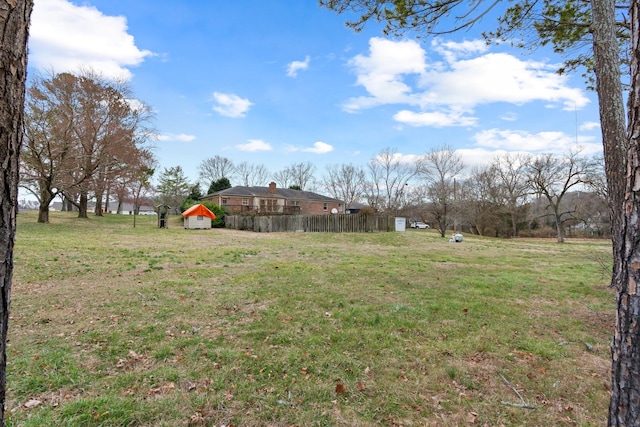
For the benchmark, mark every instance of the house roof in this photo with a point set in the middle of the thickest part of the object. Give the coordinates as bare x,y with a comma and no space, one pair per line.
285,193
199,210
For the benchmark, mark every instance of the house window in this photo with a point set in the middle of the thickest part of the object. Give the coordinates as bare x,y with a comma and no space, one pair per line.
224,200
268,205
294,202
200,218
245,202
325,206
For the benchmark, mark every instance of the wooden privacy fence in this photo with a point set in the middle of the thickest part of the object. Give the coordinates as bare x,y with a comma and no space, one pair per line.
311,223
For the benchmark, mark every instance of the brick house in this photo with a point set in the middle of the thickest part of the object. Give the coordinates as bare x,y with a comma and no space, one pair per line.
266,200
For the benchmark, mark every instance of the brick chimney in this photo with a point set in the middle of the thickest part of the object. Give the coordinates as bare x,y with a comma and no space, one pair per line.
272,188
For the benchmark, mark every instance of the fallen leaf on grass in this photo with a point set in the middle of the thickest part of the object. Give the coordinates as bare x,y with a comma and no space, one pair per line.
32,403
165,389
341,388
471,417
197,418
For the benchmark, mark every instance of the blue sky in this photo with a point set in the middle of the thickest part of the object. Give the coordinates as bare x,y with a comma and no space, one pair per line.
278,82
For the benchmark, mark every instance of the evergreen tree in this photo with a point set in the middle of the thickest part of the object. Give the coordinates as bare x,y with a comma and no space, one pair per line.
219,185
173,186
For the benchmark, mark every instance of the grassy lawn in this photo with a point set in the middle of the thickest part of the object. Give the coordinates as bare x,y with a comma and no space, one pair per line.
120,326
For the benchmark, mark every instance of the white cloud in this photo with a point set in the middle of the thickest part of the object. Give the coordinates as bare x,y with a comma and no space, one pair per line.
451,50
410,159
231,105
551,142
65,37
435,119
381,72
587,126
181,137
295,66
478,157
319,147
399,72
254,145
509,116
499,77
137,105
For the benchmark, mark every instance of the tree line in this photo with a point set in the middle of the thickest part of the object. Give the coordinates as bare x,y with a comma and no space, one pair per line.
513,192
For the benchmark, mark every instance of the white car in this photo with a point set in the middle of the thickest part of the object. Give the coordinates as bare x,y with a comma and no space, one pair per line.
419,224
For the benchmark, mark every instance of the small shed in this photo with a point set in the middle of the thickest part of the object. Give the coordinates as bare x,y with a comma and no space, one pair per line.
198,217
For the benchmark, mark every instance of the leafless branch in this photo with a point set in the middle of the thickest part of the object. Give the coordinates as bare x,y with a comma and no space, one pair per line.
523,405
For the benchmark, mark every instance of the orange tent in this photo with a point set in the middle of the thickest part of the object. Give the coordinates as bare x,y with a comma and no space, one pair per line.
198,216
199,210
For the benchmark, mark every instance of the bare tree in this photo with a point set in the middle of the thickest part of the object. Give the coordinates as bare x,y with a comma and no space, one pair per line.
511,174
372,191
135,183
439,168
283,178
302,175
345,182
214,168
553,177
106,126
48,139
251,175
14,33
481,200
590,212
598,178
388,177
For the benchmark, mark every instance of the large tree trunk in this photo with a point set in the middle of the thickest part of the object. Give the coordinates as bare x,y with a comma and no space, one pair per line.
14,26
82,205
559,226
98,208
43,213
623,181
46,197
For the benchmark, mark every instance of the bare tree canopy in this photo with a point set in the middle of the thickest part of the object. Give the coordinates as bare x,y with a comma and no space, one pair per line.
214,168
251,175
440,168
298,175
345,182
553,177
510,172
388,177
481,201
